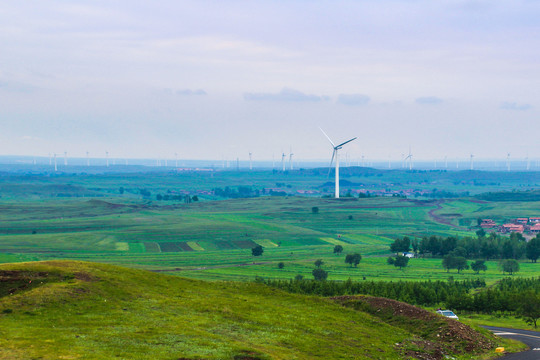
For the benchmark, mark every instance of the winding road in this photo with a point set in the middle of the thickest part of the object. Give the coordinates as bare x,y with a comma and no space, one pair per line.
531,338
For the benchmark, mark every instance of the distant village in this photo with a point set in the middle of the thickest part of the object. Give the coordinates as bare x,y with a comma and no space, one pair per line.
520,225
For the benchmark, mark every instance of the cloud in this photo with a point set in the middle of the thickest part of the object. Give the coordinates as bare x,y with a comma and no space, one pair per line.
289,95
428,100
353,99
515,106
188,92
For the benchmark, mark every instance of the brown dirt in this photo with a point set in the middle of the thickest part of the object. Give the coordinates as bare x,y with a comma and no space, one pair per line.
446,335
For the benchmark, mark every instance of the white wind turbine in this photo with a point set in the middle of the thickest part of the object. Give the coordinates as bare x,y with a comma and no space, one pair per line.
250,163
290,158
472,161
508,162
409,157
283,161
335,154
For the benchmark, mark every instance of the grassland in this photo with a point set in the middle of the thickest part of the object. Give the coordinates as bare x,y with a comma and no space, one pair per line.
213,239
73,310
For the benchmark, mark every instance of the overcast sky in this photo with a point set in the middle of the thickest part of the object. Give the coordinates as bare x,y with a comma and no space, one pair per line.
220,79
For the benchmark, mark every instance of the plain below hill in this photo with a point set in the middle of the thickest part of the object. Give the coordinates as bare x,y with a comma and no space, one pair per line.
80,310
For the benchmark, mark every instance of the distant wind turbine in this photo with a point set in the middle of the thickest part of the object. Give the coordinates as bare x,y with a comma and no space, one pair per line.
508,162
409,158
107,157
336,155
250,163
472,161
55,165
290,158
87,159
283,161
65,158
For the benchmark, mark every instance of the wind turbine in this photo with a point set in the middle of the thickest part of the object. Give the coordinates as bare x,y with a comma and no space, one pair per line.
336,155
290,158
55,166
508,162
409,157
87,159
472,161
65,158
250,163
176,160
528,162
107,157
283,161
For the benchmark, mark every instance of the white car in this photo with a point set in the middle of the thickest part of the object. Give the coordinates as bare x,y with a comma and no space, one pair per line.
448,314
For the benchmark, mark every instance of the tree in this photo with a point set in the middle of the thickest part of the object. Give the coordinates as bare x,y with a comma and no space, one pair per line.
281,265
338,249
257,250
353,259
319,274
195,198
529,307
315,210
510,266
448,262
478,265
533,249
390,260
401,261
318,263
481,233
460,263
299,277
401,245
121,190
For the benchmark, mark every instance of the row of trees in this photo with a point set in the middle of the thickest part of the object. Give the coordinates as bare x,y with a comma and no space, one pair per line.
519,297
493,246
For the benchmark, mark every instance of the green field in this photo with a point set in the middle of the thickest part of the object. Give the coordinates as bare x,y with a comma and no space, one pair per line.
213,239
75,310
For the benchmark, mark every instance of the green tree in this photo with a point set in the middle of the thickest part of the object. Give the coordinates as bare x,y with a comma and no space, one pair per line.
401,245
318,263
460,263
315,210
529,307
257,250
533,249
338,249
401,261
481,233
390,260
479,265
510,266
353,259
448,262
281,265
319,274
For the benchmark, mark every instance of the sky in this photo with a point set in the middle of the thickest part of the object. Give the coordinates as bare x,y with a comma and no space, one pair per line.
220,79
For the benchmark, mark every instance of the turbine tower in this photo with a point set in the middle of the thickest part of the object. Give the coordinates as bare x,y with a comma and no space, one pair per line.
250,163
55,165
65,158
336,155
508,162
107,157
472,161
176,160
87,159
283,161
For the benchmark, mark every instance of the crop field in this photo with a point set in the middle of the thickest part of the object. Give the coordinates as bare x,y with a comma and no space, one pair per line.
213,239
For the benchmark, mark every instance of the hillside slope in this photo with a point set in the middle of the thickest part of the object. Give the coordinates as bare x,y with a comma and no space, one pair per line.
79,310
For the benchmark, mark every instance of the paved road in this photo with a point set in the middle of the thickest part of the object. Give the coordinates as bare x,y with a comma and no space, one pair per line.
531,338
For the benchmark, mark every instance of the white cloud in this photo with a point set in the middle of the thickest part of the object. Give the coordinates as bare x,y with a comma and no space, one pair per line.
286,94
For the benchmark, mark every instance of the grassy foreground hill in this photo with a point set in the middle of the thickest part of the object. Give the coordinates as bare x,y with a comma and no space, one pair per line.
80,310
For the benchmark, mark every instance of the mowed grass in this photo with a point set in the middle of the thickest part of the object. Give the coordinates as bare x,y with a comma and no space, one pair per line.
98,311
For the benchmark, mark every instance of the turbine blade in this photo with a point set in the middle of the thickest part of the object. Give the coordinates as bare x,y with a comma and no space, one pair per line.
327,137
348,141
331,161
